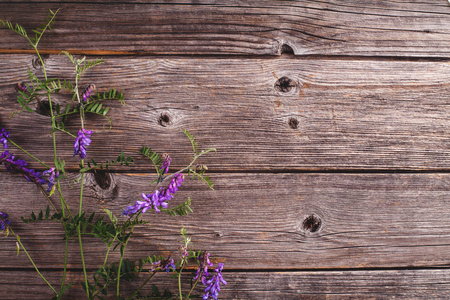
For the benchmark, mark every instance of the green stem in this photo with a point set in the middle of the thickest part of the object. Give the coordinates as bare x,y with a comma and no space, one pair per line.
193,286
81,191
31,260
122,254
142,285
29,154
106,258
82,260
41,60
179,279
48,198
65,260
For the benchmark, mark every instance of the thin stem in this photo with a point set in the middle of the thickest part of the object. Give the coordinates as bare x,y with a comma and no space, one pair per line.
65,131
81,190
41,60
48,198
193,286
106,259
31,260
29,154
179,279
82,260
65,259
122,254
142,285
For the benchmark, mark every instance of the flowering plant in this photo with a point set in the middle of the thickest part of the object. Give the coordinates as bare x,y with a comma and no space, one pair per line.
116,232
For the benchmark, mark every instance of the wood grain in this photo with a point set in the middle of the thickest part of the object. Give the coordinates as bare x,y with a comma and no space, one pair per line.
365,28
350,115
381,284
257,221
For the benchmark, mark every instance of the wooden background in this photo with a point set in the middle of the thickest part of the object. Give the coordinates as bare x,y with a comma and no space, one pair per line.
330,119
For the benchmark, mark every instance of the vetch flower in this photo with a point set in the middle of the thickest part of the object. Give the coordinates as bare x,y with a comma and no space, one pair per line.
81,142
159,198
19,165
164,265
166,163
213,285
203,267
3,221
51,180
4,135
87,92
22,87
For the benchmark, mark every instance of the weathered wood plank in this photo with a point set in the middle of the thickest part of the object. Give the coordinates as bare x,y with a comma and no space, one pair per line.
380,28
342,114
384,284
259,221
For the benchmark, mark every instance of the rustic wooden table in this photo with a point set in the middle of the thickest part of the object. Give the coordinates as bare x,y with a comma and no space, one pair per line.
331,124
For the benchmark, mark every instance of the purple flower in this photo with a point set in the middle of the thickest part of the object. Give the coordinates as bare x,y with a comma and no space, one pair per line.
4,135
19,165
3,220
87,92
164,265
213,285
81,142
157,199
203,267
166,163
51,180
23,87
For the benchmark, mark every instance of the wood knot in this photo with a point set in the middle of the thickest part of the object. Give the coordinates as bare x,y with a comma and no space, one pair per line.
165,119
312,223
43,108
103,179
293,123
36,62
285,84
286,49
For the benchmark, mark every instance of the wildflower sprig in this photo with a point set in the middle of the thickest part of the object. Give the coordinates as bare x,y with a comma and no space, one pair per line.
114,232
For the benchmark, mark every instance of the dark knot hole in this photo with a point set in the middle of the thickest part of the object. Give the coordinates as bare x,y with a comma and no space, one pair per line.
312,223
285,84
103,179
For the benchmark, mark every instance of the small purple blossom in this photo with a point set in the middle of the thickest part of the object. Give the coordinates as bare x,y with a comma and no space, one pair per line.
4,135
203,267
81,142
3,221
22,87
87,92
19,165
213,285
157,199
166,163
164,265
51,180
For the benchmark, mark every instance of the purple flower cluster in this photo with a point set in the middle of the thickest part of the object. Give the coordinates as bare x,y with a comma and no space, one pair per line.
156,200
51,180
3,221
203,268
166,163
87,92
81,142
19,165
165,264
4,135
213,284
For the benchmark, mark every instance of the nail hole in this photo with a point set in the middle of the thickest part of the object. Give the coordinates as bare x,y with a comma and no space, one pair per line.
164,120
286,49
312,223
285,84
219,234
103,179
293,123
43,108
